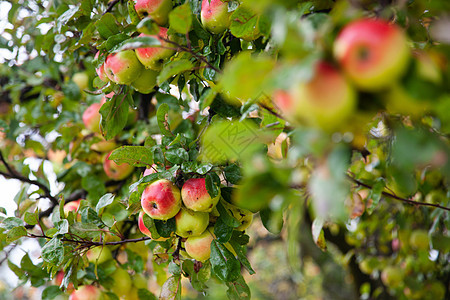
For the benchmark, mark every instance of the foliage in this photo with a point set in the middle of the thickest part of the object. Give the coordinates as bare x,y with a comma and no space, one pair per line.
357,198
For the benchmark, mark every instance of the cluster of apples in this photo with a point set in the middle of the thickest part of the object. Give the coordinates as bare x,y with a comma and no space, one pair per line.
194,211
371,55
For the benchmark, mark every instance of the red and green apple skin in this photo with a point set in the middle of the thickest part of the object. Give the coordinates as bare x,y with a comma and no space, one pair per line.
326,101
91,117
158,10
199,247
196,197
86,292
71,206
145,230
123,67
191,223
372,52
146,83
154,57
101,70
161,200
58,279
115,171
215,16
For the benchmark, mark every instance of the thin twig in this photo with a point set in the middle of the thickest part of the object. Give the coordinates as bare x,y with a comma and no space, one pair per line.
88,243
111,5
271,111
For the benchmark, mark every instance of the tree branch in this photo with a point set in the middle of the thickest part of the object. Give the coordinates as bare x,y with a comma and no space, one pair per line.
111,4
88,243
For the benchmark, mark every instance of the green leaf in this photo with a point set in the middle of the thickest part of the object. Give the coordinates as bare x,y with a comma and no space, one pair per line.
233,173
90,216
138,156
145,294
114,115
107,26
198,278
31,218
317,233
53,252
226,217
238,289
104,201
222,231
51,292
150,224
11,222
136,43
132,12
174,68
15,233
163,122
180,19
165,228
171,289
212,185
223,262
174,268
177,156
62,226
242,256
375,194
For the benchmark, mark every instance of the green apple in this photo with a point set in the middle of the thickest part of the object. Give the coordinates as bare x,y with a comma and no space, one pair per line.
215,16
191,223
122,282
373,53
99,255
123,67
144,228
154,57
81,79
419,240
161,200
146,82
326,101
244,216
199,247
196,197
86,292
115,171
157,10
392,276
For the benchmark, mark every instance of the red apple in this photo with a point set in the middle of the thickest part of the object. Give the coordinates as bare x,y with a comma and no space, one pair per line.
101,70
196,197
145,230
161,200
191,223
58,279
154,57
115,171
326,101
71,206
373,53
123,67
215,16
91,117
199,247
158,10
86,292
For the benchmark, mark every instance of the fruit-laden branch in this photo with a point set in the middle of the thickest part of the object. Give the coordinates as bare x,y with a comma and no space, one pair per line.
13,174
393,196
89,243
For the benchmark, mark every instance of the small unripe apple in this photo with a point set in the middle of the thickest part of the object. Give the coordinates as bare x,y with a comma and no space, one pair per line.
86,292
419,240
372,52
123,67
195,196
98,255
392,276
326,101
191,223
122,282
115,171
154,57
101,70
244,216
161,200
146,82
199,247
81,79
215,16
91,117
158,10
145,230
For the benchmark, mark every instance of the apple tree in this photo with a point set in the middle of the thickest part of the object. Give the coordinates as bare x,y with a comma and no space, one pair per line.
190,149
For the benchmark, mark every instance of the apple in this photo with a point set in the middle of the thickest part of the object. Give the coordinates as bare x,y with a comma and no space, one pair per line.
392,276
191,223
122,282
71,206
215,16
154,57
372,52
326,101
419,240
103,145
101,70
98,255
115,171
199,247
91,117
244,216
196,197
86,292
157,10
161,200
145,230
146,82
58,279
123,67
81,79
150,170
